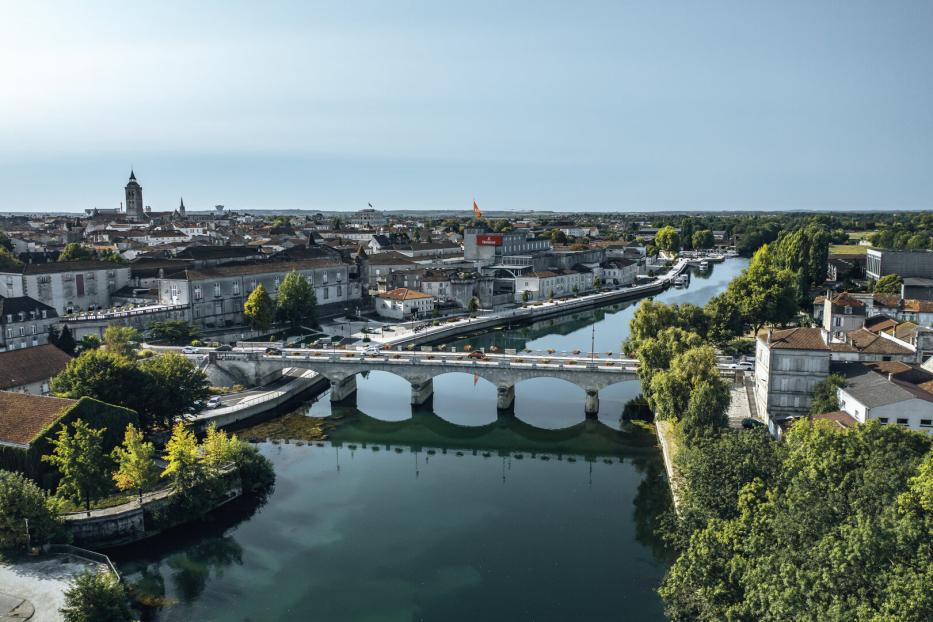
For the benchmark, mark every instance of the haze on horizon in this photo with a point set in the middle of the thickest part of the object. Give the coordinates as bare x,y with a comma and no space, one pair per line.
585,106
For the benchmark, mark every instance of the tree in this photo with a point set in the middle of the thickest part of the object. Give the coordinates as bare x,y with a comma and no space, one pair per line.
175,332
181,455
668,239
724,317
526,295
103,375
218,449
9,263
75,252
597,282
135,468
259,309
703,239
888,284
89,342
81,461
825,396
765,293
22,501
705,414
96,596
473,305
670,389
295,300
64,341
173,386
834,529
121,340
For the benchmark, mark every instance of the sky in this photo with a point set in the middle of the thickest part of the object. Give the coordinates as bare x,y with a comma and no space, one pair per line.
567,106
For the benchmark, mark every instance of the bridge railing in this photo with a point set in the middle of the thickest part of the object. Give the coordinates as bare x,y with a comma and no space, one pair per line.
526,361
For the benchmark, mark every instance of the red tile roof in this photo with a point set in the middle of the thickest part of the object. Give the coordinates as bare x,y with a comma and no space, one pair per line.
23,417
794,339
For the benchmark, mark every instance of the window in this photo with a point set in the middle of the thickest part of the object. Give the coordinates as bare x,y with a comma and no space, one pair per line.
197,291
901,421
848,310
216,289
326,292
236,288
218,308
926,423
34,330
882,419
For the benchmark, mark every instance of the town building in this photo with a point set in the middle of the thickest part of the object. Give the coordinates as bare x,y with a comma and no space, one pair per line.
403,304
552,284
29,370
486,248
882,262
872,394
24,322
69,286
842,313
368,218
135,210
788,365
215,295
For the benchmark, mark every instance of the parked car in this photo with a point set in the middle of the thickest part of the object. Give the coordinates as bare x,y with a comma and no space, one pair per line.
189,350
749,424
223,348
273,351
372,349
214,402
477,354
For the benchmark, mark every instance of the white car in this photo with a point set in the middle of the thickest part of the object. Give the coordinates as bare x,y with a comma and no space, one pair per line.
214,402
189,350
373,349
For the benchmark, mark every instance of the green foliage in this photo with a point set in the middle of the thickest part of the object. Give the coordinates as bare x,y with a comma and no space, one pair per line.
705,414
76,252
95,597
81,461
121,340
839,530
174,332
103,375
173,386
670,389
218,449
159,388
89,342
825,397
473,305
667,239
724,316
703,239
259,309
765,293
183,466
652,317
64,340
9,263
715,471
888,284
296,301
22,500
134,459
805,251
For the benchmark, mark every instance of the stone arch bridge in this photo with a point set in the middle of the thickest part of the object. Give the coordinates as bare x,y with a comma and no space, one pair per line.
340,367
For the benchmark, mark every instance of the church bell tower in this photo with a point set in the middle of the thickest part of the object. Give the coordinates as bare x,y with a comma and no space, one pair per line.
134,200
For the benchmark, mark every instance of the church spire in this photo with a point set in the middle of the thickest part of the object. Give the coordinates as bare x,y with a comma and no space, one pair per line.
132,175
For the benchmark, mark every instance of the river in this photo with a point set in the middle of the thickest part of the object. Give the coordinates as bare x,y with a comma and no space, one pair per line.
450,513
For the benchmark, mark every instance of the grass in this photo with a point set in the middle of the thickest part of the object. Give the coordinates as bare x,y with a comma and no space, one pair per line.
860,235
847,249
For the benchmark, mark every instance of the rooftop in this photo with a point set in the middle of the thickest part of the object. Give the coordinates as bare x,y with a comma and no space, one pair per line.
23,417
873,389
403,294
794,339
28,365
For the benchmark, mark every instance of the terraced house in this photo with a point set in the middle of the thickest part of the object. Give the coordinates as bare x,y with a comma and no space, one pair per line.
69,286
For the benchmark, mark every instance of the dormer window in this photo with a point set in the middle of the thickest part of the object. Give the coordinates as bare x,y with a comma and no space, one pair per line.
848,310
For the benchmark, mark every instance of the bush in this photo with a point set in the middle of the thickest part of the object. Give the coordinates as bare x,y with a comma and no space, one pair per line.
21,500
94,597
197,343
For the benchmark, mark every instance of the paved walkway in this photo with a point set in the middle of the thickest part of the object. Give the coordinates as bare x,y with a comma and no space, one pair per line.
41,582
739,408
15,609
